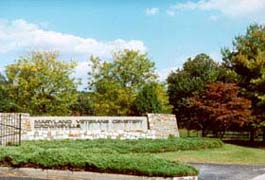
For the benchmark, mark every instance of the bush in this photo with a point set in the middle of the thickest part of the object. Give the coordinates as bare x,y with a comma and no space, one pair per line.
133,146
74,159
106,155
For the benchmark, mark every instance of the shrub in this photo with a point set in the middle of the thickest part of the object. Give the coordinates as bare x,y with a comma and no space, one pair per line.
106,155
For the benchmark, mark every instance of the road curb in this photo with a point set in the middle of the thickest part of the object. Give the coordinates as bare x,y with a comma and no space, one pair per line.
77,175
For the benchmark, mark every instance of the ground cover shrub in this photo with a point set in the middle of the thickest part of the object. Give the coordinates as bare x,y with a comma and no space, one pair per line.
105,155
134,146
76,159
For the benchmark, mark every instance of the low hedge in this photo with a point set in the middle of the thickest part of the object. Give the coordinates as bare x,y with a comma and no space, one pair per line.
133,146
76,159
106,155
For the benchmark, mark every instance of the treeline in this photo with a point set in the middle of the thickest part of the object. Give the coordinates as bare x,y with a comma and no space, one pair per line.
204,94
227,96
41,84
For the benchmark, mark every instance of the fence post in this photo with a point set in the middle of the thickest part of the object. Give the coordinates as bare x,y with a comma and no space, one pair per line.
19,129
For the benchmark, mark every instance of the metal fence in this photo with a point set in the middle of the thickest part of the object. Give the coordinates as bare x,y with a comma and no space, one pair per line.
10,129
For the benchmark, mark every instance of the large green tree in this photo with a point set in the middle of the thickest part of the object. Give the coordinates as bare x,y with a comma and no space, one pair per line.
116,83
247,59
152,98
196,73
41,84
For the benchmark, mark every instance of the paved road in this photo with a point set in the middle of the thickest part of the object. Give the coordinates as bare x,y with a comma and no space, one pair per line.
230,172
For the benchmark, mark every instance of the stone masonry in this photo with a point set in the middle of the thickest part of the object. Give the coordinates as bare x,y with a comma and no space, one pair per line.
163,125
93,127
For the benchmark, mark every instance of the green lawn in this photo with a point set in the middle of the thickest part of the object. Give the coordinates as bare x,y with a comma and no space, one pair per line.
228,154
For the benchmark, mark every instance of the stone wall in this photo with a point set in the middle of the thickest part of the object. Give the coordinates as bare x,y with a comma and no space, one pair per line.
163,125
93,127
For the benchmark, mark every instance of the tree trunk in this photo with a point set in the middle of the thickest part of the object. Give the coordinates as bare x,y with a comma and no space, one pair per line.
215,133
263,135
222,133
204,132
252,135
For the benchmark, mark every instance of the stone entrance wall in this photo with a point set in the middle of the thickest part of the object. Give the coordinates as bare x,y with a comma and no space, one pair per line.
93,127
163,125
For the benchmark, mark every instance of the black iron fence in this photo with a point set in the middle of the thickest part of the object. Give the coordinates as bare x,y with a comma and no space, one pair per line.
10,129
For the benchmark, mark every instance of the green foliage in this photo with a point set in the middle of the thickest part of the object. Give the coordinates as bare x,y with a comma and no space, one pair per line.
247,59
106,155
152,98
65,158
130,146
115,84
202,68
83,106
193,78
40,84
6,103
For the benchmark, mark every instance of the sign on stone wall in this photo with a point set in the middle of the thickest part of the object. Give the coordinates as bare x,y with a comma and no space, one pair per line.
91,123
92,127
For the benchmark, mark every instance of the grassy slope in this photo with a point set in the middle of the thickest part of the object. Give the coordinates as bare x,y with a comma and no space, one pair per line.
228,154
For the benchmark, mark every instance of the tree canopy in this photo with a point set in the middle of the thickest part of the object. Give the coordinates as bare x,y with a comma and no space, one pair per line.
41,84
7,104
152,98
219,108
116,84
247,59
197,72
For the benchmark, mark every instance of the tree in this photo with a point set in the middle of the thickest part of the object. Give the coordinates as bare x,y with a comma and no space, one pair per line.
183,83
219,108
83,106
41,84
247,59
6,103
115,84
152,98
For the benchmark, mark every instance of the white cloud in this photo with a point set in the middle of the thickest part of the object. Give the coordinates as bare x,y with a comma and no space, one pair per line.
163,74
151,11
19,36
254,9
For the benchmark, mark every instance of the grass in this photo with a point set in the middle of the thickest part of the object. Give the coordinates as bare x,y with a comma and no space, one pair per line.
105,155
228,154
190,133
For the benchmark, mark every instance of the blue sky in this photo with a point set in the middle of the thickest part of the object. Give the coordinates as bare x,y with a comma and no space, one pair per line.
169,30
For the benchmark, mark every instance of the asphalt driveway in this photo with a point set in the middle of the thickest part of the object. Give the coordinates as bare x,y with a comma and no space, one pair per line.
230,172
